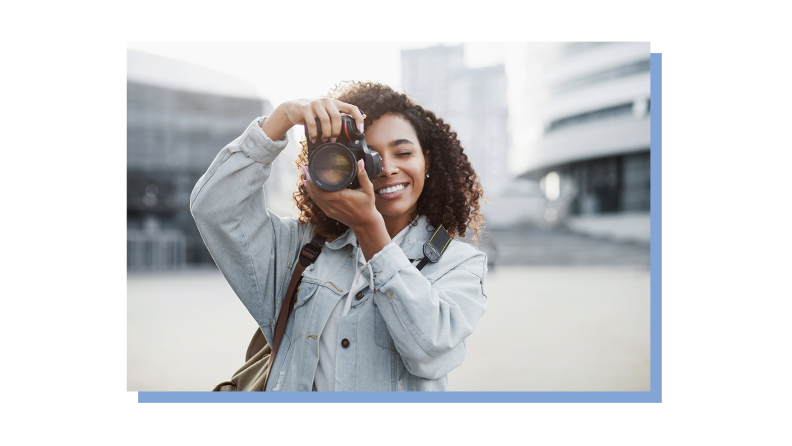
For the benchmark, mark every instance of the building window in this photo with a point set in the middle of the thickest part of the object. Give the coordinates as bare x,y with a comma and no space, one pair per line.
615,111
636,172
630,69
576,47
609,185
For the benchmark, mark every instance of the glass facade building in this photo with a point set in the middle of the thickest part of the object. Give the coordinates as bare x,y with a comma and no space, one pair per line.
172,136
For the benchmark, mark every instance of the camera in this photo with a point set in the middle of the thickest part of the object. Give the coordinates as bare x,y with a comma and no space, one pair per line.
333,165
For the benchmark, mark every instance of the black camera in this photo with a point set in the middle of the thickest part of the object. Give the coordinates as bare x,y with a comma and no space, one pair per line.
333,165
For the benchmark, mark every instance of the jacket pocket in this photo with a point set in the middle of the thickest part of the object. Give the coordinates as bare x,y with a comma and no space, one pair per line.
305,291
381,333
301,309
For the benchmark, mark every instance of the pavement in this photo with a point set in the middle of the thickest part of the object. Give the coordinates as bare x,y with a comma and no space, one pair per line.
560,329
566,327
542,247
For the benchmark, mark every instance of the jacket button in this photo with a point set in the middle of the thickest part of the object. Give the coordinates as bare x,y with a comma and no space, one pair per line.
359,295
345,343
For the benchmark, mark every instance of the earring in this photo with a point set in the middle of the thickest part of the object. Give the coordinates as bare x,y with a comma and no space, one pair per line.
427,175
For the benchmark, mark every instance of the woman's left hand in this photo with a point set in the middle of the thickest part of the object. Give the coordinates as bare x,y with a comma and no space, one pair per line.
352,207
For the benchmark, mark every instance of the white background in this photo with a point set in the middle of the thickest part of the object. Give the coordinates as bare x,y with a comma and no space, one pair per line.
726,333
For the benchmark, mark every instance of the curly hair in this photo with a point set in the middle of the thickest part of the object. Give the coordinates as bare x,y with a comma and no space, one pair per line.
452,191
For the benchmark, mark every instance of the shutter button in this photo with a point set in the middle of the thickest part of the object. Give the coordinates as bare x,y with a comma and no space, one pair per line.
345,343
359,295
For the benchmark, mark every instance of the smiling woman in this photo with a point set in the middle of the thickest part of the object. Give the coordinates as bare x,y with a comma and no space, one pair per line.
395,125
403,170
368,315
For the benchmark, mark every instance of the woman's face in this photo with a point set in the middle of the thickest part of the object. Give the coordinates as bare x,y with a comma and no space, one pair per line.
404,169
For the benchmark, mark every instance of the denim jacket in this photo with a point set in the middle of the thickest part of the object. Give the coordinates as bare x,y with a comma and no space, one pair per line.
405,334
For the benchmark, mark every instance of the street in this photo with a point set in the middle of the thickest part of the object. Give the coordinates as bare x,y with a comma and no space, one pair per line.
565,328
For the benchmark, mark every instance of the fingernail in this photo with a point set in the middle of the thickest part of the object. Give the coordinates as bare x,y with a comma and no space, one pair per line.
305,183
313,141
333,139
324,140
360,127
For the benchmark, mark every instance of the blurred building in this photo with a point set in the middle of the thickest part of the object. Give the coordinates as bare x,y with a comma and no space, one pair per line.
471,100
179,116
592,160
426,74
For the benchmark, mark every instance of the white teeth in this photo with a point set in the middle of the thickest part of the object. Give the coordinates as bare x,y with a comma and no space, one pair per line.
389,190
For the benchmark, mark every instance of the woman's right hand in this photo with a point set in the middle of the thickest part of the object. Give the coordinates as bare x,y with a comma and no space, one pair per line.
305,112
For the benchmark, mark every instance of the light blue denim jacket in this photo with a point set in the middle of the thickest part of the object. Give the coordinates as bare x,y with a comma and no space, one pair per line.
406,334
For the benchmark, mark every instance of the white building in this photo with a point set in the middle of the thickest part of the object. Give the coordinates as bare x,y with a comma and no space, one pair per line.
592,158
472,101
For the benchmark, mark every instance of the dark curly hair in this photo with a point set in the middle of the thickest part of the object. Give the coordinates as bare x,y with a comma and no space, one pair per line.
451,193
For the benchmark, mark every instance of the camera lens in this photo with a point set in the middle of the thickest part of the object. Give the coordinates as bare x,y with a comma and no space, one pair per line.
333,166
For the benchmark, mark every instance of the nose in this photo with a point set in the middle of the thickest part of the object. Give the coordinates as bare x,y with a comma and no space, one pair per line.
389,168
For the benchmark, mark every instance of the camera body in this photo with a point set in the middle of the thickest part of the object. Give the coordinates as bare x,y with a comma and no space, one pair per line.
333,165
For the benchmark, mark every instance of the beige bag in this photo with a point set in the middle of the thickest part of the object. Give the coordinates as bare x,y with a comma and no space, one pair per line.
252,376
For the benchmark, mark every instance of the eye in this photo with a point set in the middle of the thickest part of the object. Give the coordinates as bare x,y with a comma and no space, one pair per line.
404,153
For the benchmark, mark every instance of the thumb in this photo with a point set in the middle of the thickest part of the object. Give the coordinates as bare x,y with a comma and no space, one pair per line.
363,178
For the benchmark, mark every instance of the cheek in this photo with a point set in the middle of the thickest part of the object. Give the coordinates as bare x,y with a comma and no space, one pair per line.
419,186
420,177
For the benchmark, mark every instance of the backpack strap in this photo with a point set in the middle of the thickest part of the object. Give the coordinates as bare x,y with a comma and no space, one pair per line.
308,255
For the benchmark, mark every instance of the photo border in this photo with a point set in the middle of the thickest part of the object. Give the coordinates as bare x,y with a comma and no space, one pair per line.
654,395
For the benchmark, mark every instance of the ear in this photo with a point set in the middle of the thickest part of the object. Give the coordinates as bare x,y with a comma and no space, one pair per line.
427,162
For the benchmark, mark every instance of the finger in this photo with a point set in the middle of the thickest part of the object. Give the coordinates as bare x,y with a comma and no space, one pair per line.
316,193
324,119
352,110
311,189
335,120
310,121
365,183
307,181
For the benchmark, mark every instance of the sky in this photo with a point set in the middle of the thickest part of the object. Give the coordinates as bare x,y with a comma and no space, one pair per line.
283,71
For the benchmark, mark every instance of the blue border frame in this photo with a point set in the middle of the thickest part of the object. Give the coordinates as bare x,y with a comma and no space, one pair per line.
652,396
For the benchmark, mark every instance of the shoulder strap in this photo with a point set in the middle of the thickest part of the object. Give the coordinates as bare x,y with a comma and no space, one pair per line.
308,255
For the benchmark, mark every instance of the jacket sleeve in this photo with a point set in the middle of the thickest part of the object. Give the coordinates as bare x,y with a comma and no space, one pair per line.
429,322
253,247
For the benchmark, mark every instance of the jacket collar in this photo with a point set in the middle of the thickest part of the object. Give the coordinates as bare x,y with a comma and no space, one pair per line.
412,245
347,238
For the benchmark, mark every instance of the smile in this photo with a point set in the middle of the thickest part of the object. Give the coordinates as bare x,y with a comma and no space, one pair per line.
393,191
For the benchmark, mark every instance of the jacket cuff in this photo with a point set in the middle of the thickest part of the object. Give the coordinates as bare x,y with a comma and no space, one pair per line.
258,146
385,264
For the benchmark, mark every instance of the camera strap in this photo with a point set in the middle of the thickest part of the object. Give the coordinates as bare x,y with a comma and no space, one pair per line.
433,249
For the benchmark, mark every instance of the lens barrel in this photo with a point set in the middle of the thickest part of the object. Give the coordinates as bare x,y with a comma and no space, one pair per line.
332,166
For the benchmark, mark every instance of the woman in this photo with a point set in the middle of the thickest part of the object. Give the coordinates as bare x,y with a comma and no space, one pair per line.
365,318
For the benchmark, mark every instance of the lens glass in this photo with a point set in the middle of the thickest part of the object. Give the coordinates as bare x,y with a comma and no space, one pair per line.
333,167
